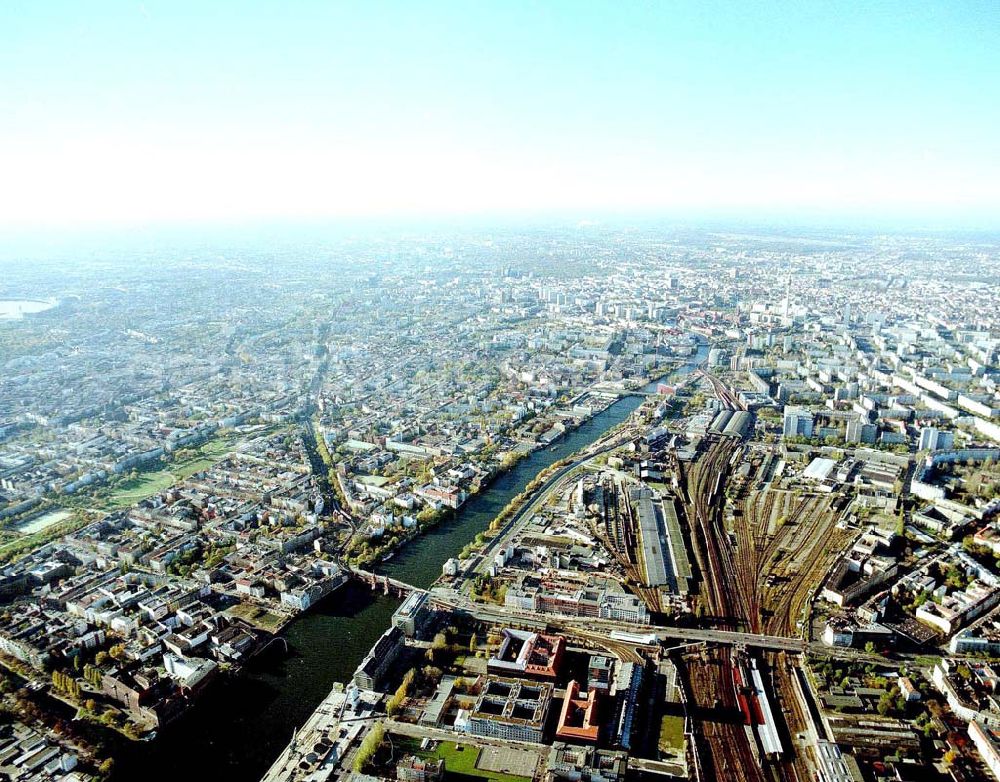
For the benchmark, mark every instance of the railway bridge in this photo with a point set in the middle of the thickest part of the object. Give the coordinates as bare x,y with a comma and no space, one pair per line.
389,586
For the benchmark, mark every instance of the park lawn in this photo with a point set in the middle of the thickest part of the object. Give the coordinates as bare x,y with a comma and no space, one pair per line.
672,733
143,485
373,480
146,484
460,762
207,455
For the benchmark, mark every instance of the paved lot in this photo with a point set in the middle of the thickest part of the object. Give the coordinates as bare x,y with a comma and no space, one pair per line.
508,760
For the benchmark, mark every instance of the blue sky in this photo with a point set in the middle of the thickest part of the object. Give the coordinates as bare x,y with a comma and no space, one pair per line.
118,113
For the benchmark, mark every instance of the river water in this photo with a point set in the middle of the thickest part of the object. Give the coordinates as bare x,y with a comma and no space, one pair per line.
15,309
241,724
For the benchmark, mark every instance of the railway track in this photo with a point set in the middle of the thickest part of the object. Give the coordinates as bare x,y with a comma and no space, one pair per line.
718,732
761,578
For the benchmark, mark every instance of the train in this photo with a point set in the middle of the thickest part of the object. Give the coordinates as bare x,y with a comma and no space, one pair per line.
755,705
640,639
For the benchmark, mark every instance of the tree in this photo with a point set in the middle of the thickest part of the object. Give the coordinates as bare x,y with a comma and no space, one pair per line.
369,746
395,703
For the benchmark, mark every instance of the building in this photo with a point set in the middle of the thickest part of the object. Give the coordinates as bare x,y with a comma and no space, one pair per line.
842,633
599,672
527,654
798,422
834,765
578,718
416,769
859,431
908,690
981,638
606,601
628,683
412,614
932,439
819,469
581,763
959,607
381,657
970,693
855,577
510,709
988,744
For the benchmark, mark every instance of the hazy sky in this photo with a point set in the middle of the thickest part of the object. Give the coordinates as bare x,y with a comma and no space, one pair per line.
131,112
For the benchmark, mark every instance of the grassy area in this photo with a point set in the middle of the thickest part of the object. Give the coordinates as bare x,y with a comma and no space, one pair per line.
208,454
23,544
143,485
151,482
672,733
41,522
459,761
373,480
257,616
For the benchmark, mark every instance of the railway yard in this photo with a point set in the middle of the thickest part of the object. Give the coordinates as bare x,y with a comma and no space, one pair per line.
719,535
761,554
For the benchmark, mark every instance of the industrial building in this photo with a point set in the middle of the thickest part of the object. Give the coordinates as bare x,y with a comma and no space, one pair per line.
412,614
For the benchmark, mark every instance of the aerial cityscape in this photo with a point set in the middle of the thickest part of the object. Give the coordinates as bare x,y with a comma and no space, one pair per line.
595,502
556,392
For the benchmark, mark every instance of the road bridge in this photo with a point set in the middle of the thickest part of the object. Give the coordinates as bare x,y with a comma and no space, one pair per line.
500,614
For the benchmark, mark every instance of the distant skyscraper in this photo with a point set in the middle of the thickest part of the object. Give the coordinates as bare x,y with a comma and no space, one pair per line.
932,439
716,357
797,422
858,431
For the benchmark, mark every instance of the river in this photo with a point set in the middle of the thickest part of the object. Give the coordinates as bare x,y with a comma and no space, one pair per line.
242,723
16,309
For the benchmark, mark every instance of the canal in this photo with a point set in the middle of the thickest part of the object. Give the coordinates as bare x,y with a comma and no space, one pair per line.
242,723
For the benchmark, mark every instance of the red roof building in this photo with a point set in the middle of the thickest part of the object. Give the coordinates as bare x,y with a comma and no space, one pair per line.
578,718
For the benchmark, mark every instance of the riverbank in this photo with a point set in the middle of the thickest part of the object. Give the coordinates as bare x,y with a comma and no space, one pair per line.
375,559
